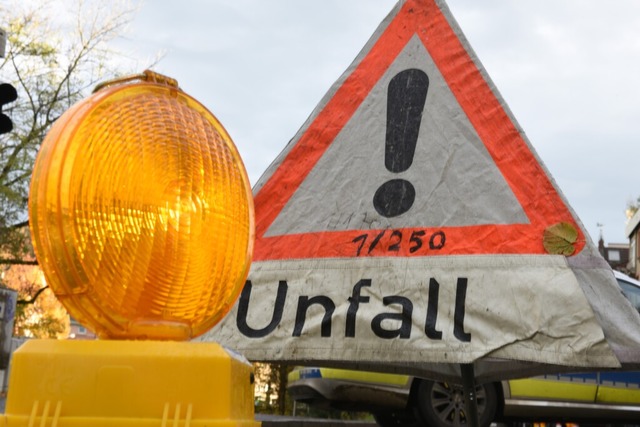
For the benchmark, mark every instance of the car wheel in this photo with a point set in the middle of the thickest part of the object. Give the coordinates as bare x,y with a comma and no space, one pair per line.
396,419
441,404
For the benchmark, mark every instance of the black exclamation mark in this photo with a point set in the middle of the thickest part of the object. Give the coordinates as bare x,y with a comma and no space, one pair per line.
406,96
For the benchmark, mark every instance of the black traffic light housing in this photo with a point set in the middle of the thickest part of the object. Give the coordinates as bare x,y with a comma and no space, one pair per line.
8,94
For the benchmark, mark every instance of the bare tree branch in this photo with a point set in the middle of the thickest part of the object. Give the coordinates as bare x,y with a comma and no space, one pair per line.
13,261
33,299
55,55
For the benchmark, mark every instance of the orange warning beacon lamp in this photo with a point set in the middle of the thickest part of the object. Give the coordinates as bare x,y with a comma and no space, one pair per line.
141,212
141,216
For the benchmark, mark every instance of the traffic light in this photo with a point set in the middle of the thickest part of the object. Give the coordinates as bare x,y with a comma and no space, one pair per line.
8,94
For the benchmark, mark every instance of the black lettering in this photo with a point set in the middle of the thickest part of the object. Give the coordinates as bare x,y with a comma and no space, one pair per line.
437,243
458,315
354,303
304,302
432,311
404,331
416,238
243,310
416,242
397,236
362,239
376,241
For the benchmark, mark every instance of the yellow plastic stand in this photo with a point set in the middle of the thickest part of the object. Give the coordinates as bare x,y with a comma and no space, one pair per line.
128,383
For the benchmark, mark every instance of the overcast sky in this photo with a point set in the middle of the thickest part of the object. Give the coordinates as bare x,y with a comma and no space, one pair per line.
568,69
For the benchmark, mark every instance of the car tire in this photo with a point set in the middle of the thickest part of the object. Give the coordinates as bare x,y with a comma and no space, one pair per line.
440,404
396,419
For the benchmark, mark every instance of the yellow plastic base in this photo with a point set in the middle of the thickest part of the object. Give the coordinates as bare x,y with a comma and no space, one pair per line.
128,383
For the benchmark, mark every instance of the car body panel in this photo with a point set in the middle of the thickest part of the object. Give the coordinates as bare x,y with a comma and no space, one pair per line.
358,376
576,396
347,389
619,387
630,288
555,388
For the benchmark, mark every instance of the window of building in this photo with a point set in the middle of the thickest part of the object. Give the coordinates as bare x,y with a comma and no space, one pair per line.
614,255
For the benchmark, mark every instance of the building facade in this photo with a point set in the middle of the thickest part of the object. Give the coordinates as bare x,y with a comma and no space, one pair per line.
633,232
616,254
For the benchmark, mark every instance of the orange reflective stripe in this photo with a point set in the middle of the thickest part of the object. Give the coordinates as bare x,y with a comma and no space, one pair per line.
521,169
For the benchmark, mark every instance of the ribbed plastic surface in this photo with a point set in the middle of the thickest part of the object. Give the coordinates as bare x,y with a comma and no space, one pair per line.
128,384
141,214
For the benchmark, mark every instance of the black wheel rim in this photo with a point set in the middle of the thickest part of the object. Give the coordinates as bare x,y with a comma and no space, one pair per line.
447,402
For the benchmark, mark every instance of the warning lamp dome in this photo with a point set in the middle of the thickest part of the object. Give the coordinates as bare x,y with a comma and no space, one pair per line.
141,212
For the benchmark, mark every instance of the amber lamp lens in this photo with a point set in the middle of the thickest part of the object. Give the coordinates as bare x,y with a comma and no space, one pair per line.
141,214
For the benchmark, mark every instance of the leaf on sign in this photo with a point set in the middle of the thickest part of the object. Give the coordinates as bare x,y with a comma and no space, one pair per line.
560,238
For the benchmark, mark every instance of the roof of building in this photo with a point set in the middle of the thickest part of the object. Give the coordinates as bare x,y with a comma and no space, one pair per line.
618,246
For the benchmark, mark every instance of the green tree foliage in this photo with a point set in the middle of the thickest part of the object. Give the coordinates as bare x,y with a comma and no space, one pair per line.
632,207
271,388
56,52
53,59
38,312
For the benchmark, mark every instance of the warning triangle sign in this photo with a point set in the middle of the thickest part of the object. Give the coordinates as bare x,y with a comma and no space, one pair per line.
412,153
409,225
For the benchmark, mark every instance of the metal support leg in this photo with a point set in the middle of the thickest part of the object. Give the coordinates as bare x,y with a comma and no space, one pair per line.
469,388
